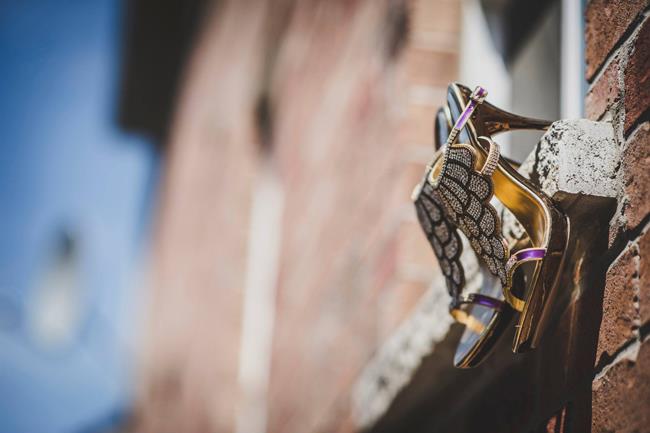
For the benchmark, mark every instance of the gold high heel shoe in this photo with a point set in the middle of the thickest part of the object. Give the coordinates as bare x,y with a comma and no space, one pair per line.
546,226
457,180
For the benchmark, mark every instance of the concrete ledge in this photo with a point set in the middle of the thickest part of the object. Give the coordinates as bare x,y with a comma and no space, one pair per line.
576,157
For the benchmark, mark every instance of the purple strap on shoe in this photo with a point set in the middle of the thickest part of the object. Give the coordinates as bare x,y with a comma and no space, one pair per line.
477,97
531,254
477,299
524,256
521,256
486,301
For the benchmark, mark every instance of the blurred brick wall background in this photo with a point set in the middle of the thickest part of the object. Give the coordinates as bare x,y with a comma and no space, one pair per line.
342,101
618,70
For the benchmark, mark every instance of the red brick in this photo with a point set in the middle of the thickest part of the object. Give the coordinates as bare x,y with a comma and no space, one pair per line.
644,277
396,304
606,22
427,68
346,263
342,286
418,127
619,312
604,92
637,78
189,378
436,16
414,249
621,398
636,176
411,175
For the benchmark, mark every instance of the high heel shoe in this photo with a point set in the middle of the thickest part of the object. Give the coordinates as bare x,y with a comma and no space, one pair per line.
460,182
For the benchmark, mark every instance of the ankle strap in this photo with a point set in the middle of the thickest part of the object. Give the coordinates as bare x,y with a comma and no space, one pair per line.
477,97
463,317
516,260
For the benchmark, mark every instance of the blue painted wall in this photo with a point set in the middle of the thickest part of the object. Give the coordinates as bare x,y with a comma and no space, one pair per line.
70,179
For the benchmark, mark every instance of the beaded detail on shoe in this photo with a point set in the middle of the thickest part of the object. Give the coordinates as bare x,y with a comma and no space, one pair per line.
441,234
465,193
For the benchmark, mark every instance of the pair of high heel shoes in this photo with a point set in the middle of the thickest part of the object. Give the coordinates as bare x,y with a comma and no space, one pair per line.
455,199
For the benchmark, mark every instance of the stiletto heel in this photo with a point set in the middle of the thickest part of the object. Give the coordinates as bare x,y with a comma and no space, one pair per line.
491,120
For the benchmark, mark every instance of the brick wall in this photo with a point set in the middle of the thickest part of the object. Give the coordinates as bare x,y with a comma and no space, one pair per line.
188,377
354,261
618,70
343,102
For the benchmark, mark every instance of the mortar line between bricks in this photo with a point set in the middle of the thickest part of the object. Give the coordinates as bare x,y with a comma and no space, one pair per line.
628,348
607,359
636,281
628,351
644,117
624,239
627,36
636,126
644,332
